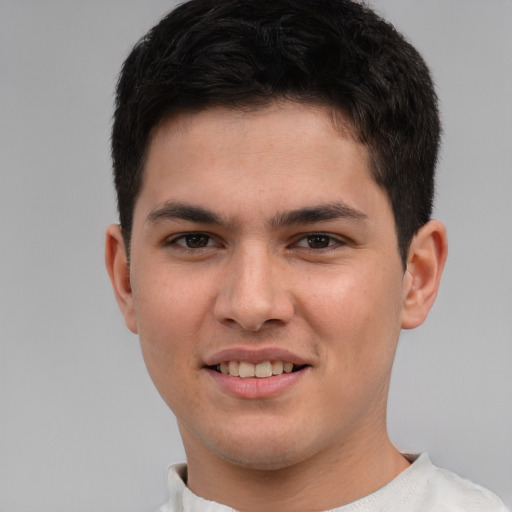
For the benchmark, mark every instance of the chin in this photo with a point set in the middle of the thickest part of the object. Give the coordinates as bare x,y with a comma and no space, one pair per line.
258,441
268,452
258,461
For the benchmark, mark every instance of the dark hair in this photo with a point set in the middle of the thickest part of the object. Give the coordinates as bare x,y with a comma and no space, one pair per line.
248,53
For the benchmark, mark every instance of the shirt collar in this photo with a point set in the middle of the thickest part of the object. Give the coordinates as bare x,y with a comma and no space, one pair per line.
184,500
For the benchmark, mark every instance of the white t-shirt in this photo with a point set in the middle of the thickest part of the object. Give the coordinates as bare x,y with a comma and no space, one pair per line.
422,487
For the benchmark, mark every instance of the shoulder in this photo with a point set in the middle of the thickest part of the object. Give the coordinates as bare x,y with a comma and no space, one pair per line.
448,492
165,508
464,495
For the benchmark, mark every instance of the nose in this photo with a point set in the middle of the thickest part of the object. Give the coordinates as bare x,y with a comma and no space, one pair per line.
253,292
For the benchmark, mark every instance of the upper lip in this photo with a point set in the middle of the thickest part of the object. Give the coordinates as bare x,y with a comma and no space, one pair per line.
254,355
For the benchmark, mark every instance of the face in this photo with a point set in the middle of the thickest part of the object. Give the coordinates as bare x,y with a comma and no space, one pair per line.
261,244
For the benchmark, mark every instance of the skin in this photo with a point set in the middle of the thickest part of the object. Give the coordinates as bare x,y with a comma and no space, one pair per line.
332,292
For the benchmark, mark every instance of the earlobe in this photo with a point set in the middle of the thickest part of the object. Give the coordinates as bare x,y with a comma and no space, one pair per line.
119,272
427,256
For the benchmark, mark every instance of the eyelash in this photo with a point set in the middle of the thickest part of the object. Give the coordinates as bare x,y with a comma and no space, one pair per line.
183,237
332,241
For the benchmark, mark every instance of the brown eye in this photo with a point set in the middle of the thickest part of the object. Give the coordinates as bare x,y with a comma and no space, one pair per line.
318,241
196,240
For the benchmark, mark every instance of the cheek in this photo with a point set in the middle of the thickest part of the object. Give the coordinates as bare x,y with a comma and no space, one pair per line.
357,314
168,302
170,313
357,324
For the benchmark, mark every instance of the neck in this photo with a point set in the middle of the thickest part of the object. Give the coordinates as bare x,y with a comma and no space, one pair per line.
346,473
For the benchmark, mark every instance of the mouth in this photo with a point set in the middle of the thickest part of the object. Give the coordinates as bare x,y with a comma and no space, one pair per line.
263,370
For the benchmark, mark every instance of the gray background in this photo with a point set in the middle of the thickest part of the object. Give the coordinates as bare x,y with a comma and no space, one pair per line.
81,427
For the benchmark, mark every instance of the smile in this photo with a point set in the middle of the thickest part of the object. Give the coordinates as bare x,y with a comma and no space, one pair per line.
246,370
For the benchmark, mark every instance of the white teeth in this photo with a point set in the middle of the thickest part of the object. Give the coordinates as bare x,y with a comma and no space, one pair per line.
277,367
233,368
287,367
261,370
246,370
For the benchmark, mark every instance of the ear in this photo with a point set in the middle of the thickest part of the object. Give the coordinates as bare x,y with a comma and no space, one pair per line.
425,263
119,272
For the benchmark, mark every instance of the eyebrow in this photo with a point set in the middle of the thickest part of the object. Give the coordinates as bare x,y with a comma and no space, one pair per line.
306,215
182,211
312,214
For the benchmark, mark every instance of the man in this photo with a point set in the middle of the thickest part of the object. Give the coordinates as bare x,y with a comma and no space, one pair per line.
274,165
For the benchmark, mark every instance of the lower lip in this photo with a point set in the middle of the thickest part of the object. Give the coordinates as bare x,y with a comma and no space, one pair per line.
256,388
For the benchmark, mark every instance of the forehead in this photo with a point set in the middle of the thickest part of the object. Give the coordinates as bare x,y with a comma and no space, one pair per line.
236,129
286,154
